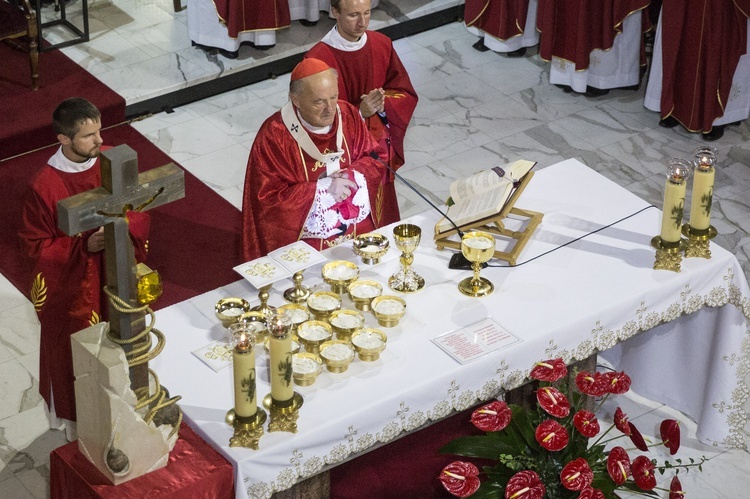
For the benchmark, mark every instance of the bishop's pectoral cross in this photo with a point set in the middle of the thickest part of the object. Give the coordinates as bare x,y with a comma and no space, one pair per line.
122,190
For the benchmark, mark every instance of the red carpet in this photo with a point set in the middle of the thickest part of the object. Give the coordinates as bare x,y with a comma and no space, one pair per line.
25,114
193,243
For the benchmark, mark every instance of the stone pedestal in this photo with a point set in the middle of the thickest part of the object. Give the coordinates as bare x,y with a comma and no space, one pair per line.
111,434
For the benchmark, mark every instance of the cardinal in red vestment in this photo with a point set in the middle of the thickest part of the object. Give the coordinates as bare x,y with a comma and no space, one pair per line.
314,172
68,270
373,78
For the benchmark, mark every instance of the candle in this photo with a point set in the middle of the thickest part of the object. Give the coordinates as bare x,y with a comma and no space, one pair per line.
674,200
280,353
243,359
703,188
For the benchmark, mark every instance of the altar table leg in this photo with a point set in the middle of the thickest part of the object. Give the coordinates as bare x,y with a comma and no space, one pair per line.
315,487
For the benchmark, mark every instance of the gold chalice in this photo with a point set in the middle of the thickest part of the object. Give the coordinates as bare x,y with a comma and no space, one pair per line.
406,237
477,247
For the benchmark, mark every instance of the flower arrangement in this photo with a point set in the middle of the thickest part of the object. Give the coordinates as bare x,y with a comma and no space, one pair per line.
546,451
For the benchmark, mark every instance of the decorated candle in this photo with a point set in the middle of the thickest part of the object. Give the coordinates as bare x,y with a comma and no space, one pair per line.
280,353
243,359
674,200
703,187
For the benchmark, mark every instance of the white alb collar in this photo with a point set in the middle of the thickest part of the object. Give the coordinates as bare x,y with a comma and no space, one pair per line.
335,40
60,162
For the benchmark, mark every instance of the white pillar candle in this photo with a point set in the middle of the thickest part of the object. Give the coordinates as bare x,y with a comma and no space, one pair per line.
243,359
280,357
674,200
703,189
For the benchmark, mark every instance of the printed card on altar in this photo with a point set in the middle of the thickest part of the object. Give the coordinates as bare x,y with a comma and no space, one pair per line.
217,355
476,340
279,264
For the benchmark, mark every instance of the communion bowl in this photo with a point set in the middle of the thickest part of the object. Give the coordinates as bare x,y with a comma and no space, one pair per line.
337,355
323,303
312,334
478,246
345,322
305,368
370,247
229,310
406,237
257,322
339,274
362,291
388,309
297,312
368,343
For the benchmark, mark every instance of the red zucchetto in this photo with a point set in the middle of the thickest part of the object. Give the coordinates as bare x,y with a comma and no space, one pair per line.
308,67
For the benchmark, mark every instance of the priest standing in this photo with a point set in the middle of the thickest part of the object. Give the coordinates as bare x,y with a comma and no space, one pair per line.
68,272
314,171
372,78
506,26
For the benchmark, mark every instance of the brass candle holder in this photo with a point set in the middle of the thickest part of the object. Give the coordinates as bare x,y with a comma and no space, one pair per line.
245,417
406,237
263,306
283,402
298,293
697,244
668,253
478,247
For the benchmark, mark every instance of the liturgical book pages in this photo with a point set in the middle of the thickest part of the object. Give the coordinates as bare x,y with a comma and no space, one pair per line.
483,194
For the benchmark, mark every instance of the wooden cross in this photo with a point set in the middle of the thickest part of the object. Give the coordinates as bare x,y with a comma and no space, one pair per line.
122,190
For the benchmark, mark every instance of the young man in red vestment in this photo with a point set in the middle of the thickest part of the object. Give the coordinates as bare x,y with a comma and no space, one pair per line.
67,270
311,174
372,78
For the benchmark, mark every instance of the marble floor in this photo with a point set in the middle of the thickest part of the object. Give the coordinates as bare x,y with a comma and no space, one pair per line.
476,110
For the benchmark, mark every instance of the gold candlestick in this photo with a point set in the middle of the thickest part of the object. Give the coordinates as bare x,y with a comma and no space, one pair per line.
283,402
406,237
478,247
246,417
263,306
699,230
668,243
299,293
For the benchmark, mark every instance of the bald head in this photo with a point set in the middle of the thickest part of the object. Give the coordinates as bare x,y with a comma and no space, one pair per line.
315,97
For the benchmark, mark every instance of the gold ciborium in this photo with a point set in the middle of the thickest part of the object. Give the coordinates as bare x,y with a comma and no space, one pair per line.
406,237
477,247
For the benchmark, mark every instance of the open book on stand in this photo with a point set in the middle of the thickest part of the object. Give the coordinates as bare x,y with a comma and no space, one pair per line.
483,194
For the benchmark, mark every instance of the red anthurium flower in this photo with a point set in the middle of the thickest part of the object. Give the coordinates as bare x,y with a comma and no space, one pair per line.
616,382
525,485
621,422
553,401
551,435
576,475
491,417
460,478
670,435
643,473
590,384
637,438
549,370
675,489
591,493
618,465
586,423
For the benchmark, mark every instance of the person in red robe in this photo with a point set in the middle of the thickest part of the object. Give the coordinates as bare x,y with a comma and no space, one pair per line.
372,78
67,270
700,45
314,172
507,25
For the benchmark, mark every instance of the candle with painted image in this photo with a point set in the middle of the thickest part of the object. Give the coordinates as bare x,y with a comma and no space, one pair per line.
280,353
243,359
703,187
674,200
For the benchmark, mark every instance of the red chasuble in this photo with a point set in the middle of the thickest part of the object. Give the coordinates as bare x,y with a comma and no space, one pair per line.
253,15
702,42
280,183
571,29
68,280
502,19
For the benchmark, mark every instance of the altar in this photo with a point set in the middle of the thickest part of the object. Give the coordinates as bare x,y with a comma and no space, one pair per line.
584,284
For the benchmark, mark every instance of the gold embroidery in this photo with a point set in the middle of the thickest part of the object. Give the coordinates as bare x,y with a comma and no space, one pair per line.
261,269
317,166
300,255
38,292
219,352
394,95
94,318
379,205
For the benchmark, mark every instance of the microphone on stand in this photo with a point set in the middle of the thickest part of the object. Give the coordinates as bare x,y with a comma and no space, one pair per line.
384,119
458,260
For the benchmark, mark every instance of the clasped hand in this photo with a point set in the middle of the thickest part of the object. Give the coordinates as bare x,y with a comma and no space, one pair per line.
341,187
372,102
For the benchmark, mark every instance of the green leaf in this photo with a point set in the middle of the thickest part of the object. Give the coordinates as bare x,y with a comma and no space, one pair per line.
488,446
488,490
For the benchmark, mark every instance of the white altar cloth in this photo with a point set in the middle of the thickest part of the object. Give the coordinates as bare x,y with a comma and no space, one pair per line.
567,297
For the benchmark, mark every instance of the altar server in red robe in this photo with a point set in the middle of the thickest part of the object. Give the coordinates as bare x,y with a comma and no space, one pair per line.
593,45
311,174
700,75
506,26
371,77
67,270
